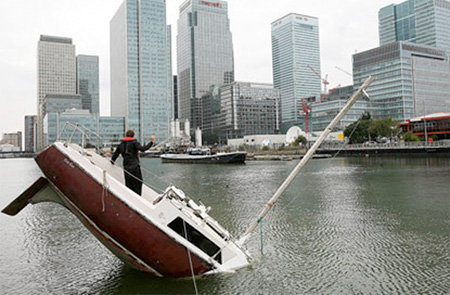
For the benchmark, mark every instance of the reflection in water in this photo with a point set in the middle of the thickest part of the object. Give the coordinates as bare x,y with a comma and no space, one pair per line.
346,225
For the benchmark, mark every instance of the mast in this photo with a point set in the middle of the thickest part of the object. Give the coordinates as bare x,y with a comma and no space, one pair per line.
307,157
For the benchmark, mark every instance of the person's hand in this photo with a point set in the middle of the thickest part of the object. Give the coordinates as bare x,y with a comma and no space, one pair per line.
152,138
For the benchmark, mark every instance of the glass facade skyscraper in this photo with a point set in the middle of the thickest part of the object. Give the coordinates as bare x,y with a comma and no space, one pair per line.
141,75
425,22
88,82
204,54
321,114
30,133
56,69
295,50
58,103
410,80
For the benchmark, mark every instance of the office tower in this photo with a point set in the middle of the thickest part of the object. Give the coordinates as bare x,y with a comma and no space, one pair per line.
323,113
295,54
58,103
175,97
30,133
425,22
204,55
88,82
14,139
241,108
56,74
411,80
141,75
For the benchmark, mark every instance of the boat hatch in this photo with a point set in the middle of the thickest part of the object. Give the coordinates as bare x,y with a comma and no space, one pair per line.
196,238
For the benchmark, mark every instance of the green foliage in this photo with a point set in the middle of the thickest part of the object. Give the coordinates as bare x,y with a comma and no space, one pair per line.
409,136
367,129
357,132
299,139
383,128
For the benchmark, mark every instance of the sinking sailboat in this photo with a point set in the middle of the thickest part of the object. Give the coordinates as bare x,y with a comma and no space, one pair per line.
164,234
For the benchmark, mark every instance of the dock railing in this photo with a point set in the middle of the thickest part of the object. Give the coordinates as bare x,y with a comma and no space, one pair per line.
389,145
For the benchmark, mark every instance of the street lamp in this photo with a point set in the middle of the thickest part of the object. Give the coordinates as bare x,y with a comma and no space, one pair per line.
425,123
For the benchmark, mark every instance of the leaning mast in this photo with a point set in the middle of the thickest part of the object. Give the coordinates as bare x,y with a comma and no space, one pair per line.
307,157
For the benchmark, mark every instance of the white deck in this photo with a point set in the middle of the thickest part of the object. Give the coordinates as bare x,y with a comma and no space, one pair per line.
161,209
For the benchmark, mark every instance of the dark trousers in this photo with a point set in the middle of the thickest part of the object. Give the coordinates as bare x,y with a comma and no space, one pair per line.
133,179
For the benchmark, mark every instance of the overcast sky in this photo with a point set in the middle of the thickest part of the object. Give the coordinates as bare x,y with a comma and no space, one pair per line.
345,27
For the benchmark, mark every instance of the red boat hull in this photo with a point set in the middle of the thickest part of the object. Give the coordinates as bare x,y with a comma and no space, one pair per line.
127,233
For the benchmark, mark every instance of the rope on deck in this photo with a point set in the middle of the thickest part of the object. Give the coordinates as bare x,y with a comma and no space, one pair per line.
190,259
105,190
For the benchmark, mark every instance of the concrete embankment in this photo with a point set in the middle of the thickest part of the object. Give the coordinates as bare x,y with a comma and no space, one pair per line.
10,155
389,151
437,149
281,157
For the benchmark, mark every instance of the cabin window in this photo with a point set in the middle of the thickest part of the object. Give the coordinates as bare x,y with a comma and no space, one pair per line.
196,238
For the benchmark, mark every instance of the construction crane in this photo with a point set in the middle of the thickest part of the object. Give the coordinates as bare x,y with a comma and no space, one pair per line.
343,71
324,80
307,108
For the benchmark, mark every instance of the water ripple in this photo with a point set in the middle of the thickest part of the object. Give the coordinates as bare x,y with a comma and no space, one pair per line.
344,226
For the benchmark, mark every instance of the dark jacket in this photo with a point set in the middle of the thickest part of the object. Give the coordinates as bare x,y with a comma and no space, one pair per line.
129,149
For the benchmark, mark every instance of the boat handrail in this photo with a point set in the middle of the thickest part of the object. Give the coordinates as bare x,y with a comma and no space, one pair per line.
85,132
200,210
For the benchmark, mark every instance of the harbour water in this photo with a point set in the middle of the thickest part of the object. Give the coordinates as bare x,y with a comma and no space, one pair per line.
344,226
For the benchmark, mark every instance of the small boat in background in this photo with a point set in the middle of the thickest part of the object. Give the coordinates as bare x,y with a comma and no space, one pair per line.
179,149
219,158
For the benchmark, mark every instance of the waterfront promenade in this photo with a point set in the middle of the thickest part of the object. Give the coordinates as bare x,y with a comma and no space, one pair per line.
7,155
436,148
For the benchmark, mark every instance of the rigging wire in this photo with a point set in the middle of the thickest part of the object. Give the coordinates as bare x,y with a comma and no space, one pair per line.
190,259
184,223
157,176
307,186
154,187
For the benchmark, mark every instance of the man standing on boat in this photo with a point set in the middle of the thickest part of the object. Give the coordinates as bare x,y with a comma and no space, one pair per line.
129,149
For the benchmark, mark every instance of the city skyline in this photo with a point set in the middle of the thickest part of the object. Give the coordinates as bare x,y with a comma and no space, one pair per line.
204,55
57,74
345,28
141,78
295,54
